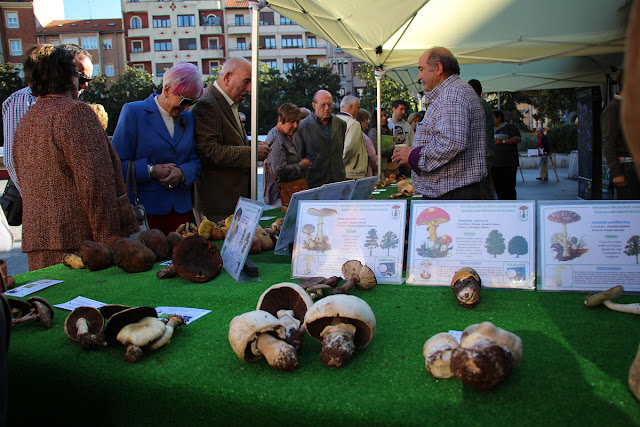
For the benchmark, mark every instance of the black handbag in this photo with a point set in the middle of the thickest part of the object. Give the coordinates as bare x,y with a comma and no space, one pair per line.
11,202
138,209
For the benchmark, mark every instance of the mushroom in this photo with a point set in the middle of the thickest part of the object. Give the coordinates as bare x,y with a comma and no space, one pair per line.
564,218
341,323
308,260
486,356
395,210
173,321
258,333
437,354
73,261
321,213
156,240
131,255
356,274
35,308
605,298
122,318
110,309
466,285
308,229
432,217
289,303
197,259
95,256
523,212
139,334
84,326
558,269
405,189
445,240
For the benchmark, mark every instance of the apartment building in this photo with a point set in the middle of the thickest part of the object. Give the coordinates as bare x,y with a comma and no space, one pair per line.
102,38
19,22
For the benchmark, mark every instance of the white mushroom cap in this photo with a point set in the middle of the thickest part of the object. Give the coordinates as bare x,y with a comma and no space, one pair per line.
489,332
143,332
437,353
245,328
351,309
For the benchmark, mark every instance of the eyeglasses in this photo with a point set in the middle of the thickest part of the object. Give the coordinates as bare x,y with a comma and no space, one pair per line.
186,102
82,79
325,105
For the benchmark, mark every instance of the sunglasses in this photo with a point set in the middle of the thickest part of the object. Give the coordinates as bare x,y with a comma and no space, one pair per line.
82,79
186,102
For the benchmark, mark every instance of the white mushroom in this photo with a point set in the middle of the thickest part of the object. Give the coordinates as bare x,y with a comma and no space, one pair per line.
605,298
437,354
139,334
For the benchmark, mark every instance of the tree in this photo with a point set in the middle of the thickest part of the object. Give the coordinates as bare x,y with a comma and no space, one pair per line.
554,104
495,243
10,81
509,105
518,246
633,247
389,241
271,86
371,241
304,80
390,91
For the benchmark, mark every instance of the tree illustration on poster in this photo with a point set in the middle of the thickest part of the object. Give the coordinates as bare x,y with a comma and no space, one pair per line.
371,241
633,247
495,243
389,241
518,246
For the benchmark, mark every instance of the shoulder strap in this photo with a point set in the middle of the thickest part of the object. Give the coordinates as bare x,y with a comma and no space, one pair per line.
131,174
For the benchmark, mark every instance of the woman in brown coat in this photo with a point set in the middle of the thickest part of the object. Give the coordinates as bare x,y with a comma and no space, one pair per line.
70,175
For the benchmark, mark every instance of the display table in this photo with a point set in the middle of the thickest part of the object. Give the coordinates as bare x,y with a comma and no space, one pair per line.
574,369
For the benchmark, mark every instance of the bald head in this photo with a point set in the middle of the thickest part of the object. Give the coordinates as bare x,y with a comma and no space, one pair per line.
435,66
323,105
235,78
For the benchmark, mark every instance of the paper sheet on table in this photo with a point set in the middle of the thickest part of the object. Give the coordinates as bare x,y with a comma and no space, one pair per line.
30,288
80,302
189,314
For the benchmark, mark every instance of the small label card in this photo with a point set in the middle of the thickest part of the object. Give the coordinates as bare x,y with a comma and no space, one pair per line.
284,245
32,287
330,233
589,246
239,237
79,302
189,314
497,239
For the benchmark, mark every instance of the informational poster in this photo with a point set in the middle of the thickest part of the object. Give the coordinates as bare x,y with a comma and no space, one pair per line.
237,242
363,188
589,246
330,233
497,239
338,190
284,245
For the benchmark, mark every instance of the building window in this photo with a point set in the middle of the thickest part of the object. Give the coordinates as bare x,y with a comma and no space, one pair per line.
267,42
338,50
240,20
161,67
271,63
288,64
12,20
55,42
340,68
89,43
16,47
211,20
108,70
311,41
136,46
162,45
138,66
266,18
213,65
187,44
242,43
136,22
70,40
291,41
186,21
96,69
161,21
286,21
106,44
313,62
213,43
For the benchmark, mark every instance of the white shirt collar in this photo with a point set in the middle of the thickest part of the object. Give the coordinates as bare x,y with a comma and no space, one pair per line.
229,100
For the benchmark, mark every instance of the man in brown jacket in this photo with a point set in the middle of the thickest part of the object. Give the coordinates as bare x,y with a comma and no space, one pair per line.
221,143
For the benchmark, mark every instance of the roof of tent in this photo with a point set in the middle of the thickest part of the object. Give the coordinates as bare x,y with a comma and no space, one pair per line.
503,39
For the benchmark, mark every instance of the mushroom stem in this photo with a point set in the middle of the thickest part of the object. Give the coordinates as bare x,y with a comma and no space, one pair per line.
347,286
82,326
133,354
292,328
337,343
173,322
33,315
279,354
623,308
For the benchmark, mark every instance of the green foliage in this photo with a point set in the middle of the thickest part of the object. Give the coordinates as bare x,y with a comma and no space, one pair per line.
10,81
132,85
271,87
494,243
633,247
527,140
563,138
371,241
389,241
390,91
553,104
509,105
518,246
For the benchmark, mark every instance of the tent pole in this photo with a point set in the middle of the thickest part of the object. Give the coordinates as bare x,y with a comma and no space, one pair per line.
255,60
379,74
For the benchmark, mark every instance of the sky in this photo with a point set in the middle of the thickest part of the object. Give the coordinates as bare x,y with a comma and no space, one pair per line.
94,9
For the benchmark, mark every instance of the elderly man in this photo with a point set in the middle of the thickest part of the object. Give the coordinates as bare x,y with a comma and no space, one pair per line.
19,102
355,156
448,154
221,143
320,138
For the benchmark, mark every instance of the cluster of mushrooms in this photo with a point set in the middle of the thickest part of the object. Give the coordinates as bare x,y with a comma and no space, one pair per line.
285,312
355,274
33,309
264,239
137,328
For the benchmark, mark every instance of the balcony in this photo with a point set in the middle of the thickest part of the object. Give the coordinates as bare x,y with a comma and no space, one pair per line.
244,53
238,29
141,56
212,53
210,29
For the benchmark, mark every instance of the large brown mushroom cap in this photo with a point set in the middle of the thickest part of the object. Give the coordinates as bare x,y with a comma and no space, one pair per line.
351,309
44,310
245,329
285,296
197,259
156,241
93,322
19,308
600,298
131,255
95,256
123,318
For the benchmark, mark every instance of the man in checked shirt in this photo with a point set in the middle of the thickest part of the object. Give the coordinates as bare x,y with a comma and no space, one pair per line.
448,154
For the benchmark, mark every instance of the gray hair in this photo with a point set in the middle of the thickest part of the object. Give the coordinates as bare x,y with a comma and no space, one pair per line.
77,51
444,56
232,65
348,101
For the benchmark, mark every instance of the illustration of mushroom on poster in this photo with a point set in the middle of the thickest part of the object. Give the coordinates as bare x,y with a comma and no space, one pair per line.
497,239
589,246
331,232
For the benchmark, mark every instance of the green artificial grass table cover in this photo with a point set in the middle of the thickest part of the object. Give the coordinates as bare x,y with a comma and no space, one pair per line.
574,369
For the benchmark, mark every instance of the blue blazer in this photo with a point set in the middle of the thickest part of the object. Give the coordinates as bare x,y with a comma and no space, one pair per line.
142,136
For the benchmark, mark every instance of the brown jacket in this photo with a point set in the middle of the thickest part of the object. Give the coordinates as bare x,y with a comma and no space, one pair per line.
224,153
70,176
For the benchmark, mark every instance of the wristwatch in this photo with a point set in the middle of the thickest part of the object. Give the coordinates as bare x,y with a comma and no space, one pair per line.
150,171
